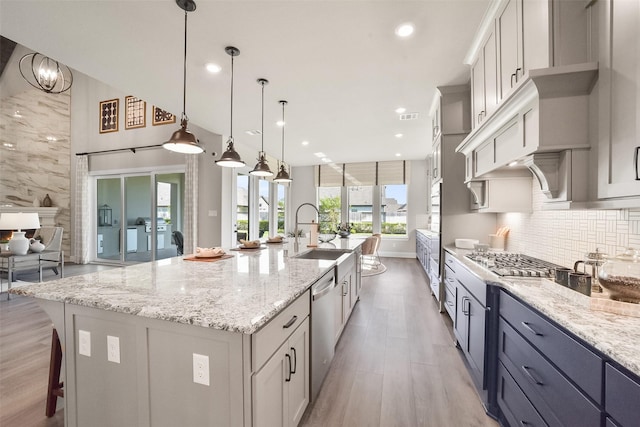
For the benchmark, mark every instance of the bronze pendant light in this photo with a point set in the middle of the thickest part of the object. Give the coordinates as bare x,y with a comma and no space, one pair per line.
283,175
45,73
262,167
231,158
183,141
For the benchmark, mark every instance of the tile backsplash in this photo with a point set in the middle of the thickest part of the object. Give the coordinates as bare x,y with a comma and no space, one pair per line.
563,237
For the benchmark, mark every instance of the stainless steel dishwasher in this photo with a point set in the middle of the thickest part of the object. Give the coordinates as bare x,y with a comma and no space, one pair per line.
322,330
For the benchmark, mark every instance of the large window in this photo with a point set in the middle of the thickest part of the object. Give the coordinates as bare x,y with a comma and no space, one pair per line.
263,207
242,209
393,209
361,210
282,208
330,206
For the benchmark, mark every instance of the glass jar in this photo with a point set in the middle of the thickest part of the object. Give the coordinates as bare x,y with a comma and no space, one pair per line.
620,275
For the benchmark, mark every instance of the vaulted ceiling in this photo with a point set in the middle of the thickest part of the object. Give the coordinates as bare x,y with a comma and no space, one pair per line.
338,64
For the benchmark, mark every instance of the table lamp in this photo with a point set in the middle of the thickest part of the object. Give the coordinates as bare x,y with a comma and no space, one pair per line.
19,245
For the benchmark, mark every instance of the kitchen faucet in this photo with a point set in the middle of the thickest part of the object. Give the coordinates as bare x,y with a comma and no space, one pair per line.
295,232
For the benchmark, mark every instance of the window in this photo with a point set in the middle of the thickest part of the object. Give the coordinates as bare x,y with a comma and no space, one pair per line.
330,206
263,207
282,208
393,210
361,209
242,209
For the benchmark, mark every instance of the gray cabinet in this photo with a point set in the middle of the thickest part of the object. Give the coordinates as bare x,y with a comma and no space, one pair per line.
345,295
622,397
281,386
619,98
560,378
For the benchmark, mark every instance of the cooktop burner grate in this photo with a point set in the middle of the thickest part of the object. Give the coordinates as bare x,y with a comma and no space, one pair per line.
514,264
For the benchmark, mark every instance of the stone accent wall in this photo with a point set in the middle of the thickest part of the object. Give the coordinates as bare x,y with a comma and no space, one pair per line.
33,165
563,237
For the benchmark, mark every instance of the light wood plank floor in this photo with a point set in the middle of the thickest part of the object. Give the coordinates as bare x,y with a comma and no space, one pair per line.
395,365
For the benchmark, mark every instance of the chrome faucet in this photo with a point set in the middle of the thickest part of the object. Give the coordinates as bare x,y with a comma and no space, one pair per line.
295,232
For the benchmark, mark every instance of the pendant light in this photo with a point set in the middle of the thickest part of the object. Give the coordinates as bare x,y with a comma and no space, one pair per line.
183,141
283,175
262,167
45,73
231,158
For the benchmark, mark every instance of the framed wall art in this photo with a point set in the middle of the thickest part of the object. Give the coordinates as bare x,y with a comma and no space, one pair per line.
109,116
135,114
161,117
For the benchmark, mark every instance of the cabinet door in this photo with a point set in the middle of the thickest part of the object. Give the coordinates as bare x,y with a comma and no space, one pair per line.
619,97
507,25
490,75
534,32
461,321
299,384
271,391
346,298
475,338
437,158
478,92
337,309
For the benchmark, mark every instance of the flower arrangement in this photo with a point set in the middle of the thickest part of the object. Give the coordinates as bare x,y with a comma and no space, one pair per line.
344,229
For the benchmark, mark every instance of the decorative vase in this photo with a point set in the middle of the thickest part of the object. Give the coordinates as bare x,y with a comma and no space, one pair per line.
46,202
36,245
19,245
36,202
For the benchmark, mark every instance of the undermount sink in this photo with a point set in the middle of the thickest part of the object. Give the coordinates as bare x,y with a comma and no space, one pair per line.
327,254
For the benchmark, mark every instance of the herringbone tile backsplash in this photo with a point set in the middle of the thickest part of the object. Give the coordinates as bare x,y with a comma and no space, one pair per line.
563,237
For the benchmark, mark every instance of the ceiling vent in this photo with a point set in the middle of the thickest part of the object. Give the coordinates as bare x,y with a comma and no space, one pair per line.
409,116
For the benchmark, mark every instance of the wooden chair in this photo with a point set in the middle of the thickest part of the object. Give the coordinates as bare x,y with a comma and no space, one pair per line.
370,251
54,386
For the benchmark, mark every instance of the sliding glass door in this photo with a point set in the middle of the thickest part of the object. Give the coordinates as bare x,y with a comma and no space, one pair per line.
140,217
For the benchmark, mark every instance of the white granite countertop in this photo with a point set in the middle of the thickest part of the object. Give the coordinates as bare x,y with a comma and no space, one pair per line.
238,294
616,336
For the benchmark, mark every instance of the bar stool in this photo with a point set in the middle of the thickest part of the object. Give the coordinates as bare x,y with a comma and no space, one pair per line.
54,387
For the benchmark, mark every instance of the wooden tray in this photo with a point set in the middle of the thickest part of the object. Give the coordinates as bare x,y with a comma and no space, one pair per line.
206,259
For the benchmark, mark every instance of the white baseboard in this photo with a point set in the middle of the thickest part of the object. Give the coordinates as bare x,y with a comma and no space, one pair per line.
390,254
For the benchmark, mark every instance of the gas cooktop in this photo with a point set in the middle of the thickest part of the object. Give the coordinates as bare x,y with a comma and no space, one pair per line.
513,264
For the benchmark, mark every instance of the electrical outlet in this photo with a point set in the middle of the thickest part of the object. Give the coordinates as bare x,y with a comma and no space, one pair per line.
113,349
84,343
200,369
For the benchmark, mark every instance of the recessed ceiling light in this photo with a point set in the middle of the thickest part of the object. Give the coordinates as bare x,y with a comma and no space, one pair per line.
399,135
318,154
213,68
305,142
280,123
514,163
404,30
400,110
398,154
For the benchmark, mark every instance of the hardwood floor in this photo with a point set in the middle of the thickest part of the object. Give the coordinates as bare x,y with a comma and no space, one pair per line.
395,365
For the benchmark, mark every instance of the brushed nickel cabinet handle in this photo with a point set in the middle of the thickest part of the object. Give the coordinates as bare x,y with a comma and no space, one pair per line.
530,329
635,161
526,370
290,322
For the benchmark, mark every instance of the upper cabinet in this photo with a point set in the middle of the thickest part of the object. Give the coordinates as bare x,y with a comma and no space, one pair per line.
450,111
618,98
532,75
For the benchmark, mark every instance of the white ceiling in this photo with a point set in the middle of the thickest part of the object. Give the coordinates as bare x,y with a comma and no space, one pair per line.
338,64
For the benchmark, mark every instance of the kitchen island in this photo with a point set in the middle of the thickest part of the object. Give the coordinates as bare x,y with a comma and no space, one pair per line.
177,342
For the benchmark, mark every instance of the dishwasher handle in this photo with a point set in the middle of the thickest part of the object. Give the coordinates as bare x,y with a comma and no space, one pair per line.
321,290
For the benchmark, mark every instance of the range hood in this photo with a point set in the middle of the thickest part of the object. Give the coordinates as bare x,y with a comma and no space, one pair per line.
542,125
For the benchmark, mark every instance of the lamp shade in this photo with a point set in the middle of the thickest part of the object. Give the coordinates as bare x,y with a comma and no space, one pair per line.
19,221
183,141
230,158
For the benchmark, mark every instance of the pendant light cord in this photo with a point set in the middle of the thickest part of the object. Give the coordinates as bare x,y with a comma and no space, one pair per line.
262,126
283,126
231,125
184,70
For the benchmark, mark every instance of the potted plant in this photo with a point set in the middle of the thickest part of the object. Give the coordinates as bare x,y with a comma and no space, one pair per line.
344,230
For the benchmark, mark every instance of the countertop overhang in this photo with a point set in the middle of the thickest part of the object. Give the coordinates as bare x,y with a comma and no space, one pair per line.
239,294
614,335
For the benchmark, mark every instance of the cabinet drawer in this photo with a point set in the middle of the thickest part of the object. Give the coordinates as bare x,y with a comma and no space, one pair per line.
267,340
451,262
554,397
575,360
622,397
473,283
514,404
450,300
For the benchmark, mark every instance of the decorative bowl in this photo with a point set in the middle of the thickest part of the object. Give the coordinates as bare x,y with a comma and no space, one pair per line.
344,234
326,237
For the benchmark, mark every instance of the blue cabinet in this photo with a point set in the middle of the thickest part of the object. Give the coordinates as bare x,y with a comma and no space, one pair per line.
622,399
